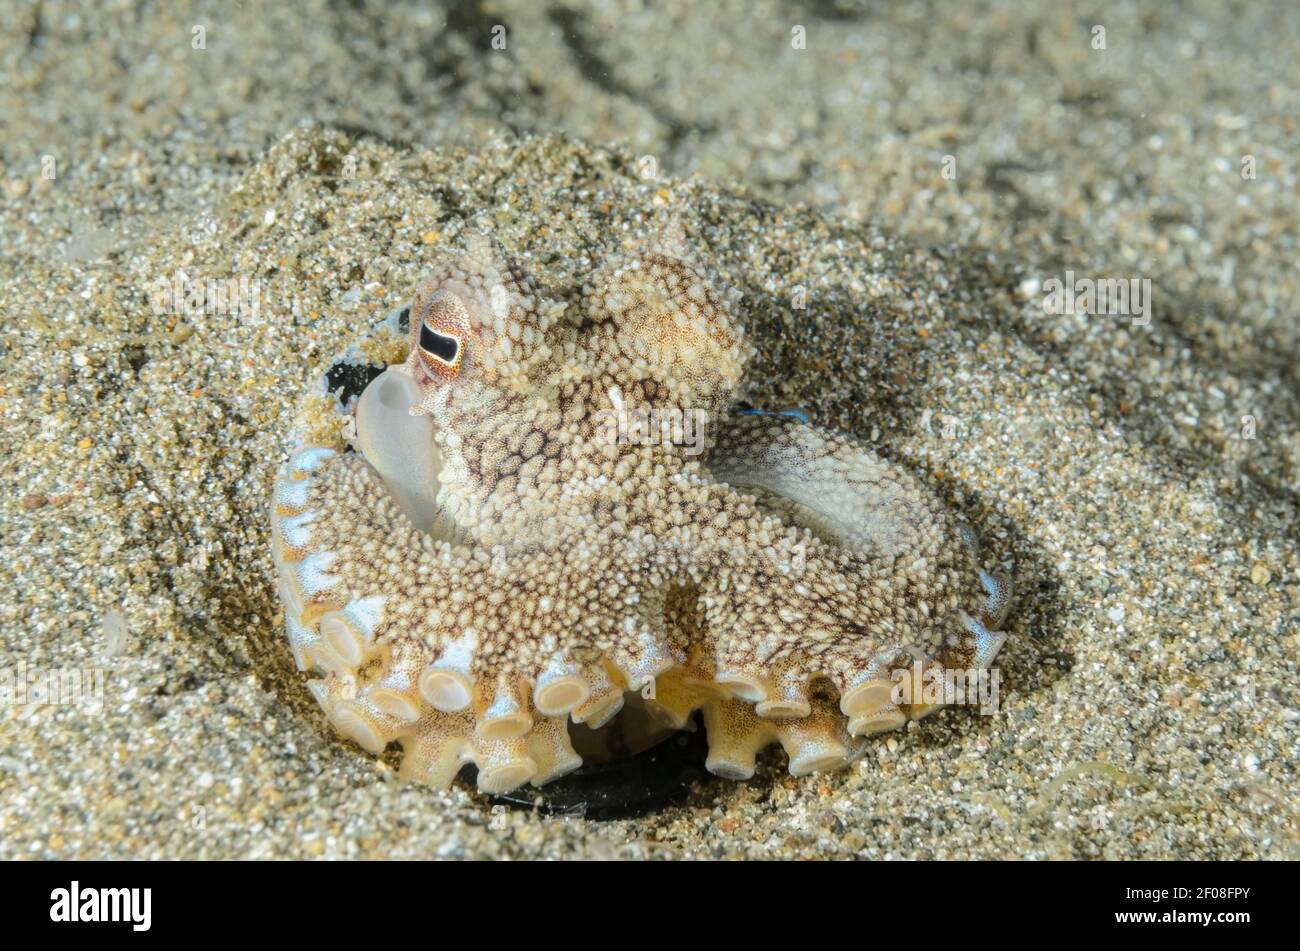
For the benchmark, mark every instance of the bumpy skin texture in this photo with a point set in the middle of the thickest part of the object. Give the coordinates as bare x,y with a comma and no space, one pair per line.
775,579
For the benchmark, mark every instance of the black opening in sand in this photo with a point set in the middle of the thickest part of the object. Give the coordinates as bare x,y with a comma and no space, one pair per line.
625,786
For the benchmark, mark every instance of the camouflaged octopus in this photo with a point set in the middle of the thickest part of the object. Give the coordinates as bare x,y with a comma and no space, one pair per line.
477,554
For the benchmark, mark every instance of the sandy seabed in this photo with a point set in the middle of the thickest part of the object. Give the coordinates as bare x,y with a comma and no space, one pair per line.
1139,481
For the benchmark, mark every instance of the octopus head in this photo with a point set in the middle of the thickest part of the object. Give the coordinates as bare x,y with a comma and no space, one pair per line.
477,326
479,348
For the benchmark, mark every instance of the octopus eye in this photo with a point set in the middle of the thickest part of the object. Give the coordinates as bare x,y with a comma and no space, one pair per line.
439,346
441,334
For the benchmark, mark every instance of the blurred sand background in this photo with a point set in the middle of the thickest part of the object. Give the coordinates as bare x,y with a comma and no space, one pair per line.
326,151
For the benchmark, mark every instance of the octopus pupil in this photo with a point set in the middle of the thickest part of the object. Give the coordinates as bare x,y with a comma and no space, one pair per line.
438,345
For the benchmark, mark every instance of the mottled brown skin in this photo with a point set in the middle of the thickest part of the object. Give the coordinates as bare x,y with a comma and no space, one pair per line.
775,580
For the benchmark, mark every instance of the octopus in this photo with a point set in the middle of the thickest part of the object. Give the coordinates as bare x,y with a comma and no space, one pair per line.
509,522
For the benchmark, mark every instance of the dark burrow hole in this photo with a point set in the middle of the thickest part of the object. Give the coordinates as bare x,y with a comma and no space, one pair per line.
623,783
348,380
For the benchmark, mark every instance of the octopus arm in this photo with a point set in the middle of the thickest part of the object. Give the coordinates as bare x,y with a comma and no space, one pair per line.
846,495
459,655
394,660
843,574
